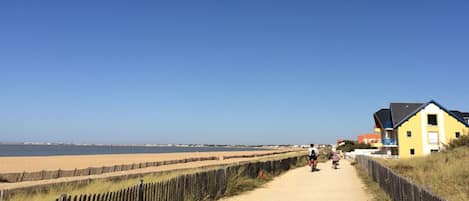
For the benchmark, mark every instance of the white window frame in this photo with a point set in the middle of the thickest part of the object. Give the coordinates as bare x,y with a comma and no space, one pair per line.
433,138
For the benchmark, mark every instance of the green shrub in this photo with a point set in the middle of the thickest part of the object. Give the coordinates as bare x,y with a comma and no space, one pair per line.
350,145
462,141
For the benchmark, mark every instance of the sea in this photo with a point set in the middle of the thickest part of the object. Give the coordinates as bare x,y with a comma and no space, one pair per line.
57,150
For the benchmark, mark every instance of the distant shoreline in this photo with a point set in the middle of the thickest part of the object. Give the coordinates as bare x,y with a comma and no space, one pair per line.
147,145
31,150
139,145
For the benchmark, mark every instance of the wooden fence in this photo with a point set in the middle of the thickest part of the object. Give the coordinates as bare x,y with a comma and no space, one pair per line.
54,174
206,185
395,185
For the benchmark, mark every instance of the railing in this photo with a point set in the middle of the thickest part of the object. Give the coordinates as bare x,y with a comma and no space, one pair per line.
389,141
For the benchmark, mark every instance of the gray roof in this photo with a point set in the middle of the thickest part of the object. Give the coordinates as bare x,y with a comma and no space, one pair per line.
460,114
382,116
401,111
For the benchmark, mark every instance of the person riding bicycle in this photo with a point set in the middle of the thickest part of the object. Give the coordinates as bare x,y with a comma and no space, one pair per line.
335,160
313,157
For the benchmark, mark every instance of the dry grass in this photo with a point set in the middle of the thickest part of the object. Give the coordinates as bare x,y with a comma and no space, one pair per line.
446,174
371,186
100,186
238,184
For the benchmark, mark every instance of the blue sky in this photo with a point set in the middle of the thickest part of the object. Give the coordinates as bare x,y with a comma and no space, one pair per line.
227,72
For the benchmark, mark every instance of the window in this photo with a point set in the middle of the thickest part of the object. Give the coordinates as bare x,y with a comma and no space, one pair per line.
458,134
412,152
432,119
409,133
433,150
433,138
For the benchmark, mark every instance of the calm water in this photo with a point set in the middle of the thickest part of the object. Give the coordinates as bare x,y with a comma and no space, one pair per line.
51,150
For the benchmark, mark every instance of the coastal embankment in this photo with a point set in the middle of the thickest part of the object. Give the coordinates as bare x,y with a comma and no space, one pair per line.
64,162
210,183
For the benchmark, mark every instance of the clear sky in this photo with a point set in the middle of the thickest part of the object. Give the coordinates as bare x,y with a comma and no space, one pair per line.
226,72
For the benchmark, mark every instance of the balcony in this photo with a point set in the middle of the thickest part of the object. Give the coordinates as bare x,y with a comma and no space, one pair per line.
388,142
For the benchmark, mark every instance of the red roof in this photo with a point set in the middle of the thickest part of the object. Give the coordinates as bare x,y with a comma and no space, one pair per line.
369,138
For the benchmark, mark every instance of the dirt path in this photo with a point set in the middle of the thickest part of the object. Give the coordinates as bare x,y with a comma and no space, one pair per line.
302,185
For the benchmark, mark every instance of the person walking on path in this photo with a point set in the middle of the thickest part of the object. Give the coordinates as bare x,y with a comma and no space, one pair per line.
313,157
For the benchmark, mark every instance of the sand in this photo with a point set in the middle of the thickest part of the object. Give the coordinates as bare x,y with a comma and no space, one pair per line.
302,185
38,163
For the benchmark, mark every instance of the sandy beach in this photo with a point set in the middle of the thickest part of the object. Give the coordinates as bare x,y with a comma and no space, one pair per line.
38,163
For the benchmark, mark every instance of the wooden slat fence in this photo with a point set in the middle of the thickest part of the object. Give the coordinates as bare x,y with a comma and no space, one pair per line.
206,185
395,185
54,174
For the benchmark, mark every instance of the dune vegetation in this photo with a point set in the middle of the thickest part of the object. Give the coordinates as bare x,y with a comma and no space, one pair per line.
445,173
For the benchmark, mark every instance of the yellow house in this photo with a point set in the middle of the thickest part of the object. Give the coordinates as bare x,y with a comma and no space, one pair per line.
417,129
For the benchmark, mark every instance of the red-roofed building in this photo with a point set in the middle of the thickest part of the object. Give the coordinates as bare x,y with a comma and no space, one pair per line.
369,138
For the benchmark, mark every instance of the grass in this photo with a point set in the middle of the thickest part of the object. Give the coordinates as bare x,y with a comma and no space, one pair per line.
238,183
445,174
371,186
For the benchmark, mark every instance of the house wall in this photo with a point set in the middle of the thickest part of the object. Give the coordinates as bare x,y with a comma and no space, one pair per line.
453,126
418,125
414,142
439,129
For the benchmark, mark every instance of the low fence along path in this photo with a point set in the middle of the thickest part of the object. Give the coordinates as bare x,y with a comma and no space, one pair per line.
302,185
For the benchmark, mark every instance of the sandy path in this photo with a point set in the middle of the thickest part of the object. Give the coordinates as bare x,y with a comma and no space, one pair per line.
302,185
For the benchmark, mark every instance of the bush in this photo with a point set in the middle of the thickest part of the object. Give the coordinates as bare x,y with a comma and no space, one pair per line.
462,141
352,145
324,155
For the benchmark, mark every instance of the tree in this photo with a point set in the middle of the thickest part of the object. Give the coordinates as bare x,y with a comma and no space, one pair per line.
350,145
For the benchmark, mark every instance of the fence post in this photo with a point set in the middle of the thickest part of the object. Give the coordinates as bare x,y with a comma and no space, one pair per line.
1,195
140,190
63,197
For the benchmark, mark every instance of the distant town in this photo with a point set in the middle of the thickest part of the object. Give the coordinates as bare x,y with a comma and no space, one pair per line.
164,145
